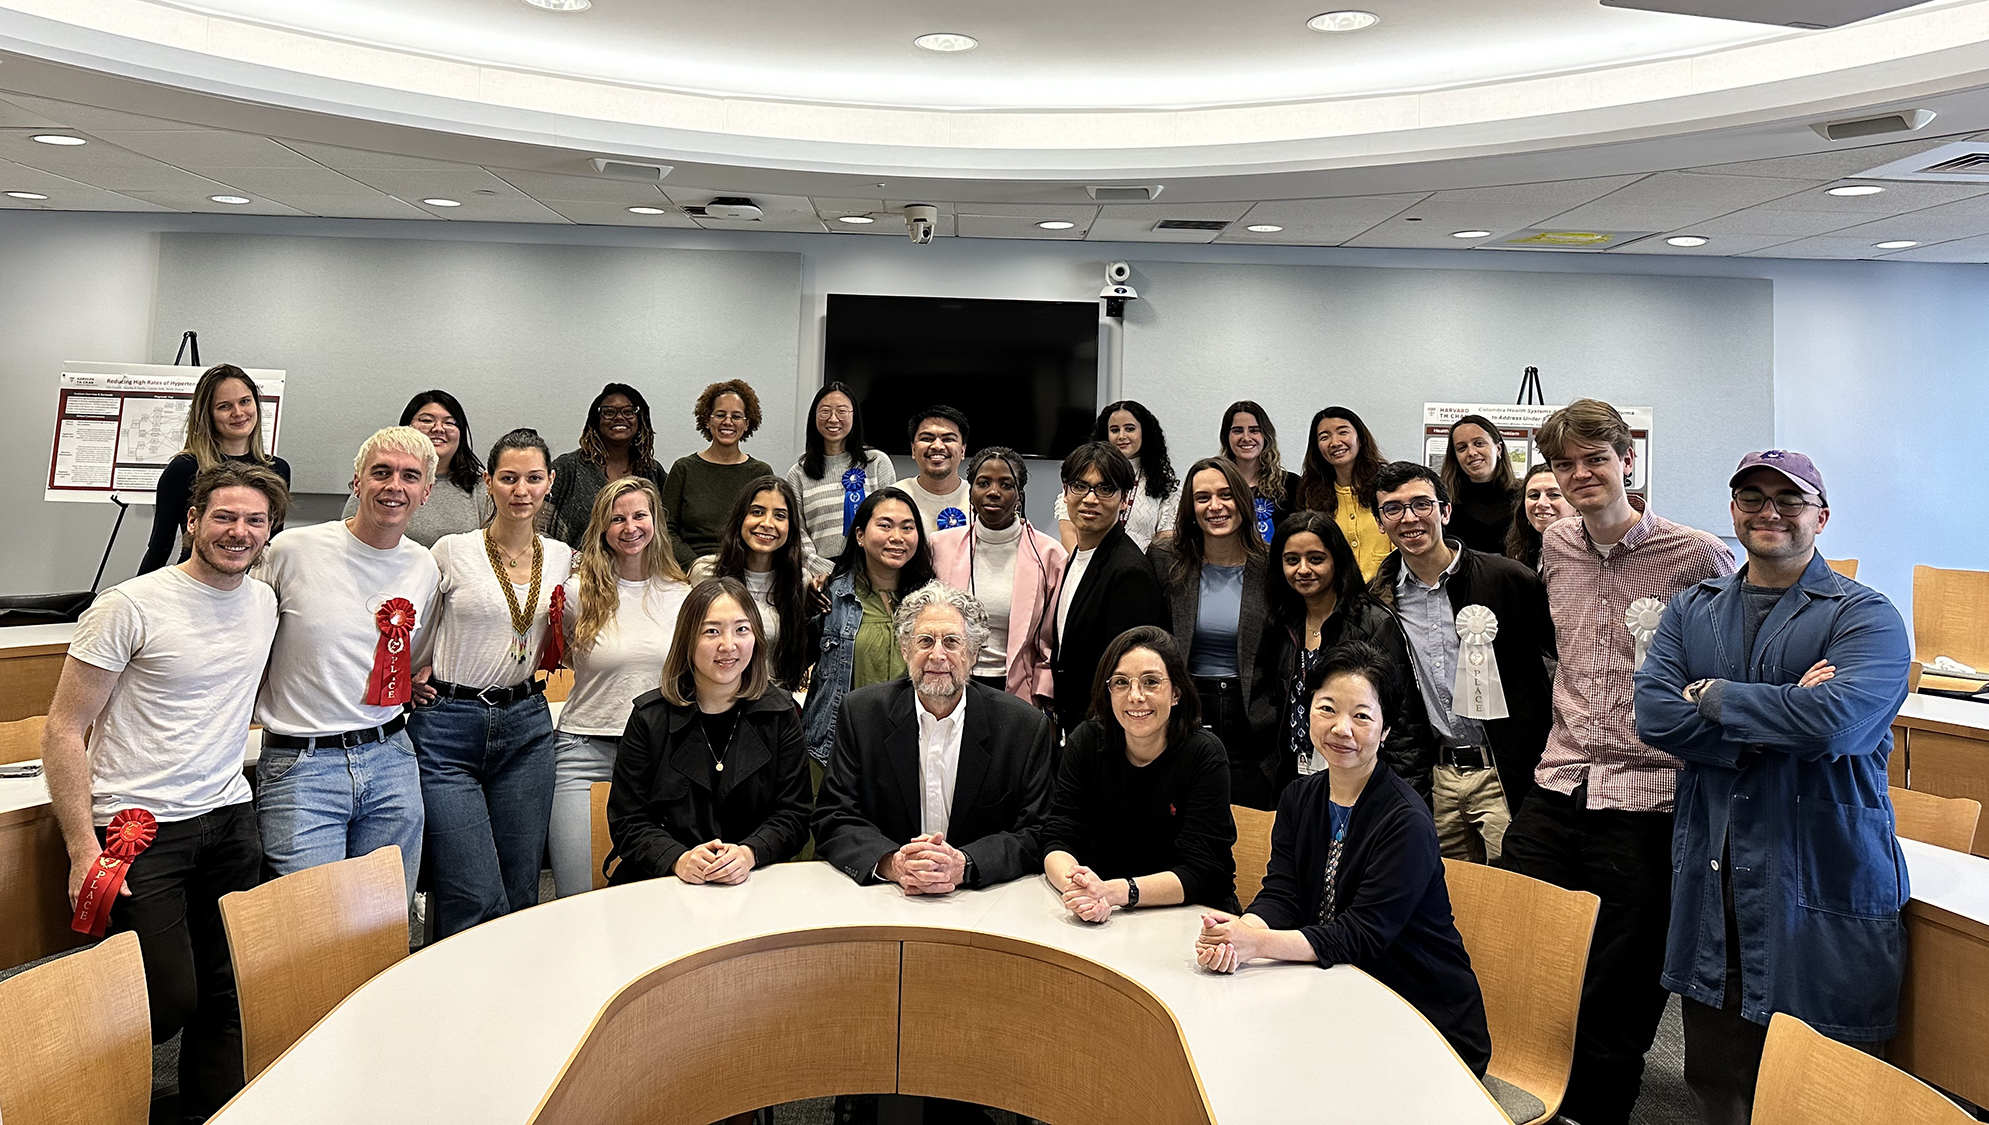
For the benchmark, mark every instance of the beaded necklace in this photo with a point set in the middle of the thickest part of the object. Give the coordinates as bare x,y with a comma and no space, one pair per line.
521,617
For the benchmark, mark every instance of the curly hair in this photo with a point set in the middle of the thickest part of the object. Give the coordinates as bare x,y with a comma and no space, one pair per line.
708,401
1156,467
1270,466
641,447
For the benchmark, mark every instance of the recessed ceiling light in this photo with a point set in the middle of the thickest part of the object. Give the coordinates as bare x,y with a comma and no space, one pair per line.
231,200
1056,224
856,220
1265,228
946,41
1687,240
25,195
1855,189
1470,234
1342,21
442,202
647,211
1896,244
562,5
59,139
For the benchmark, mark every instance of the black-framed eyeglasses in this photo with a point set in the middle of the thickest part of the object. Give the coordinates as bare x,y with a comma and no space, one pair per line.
1420,506
620,414
1790,504
1077,489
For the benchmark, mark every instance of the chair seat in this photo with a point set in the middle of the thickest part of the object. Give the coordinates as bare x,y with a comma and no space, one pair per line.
1519,1105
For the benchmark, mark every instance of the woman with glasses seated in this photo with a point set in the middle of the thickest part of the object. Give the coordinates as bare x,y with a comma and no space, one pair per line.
703,486
616,442
1142,805
834,474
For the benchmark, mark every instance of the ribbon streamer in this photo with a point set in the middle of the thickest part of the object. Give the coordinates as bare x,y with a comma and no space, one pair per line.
555,647
1642,621
950,517
391,682
1477,693
853,490
131,831
1266,526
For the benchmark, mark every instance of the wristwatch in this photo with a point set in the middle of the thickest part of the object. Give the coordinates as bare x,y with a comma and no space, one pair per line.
1695,689
967,870
1132,892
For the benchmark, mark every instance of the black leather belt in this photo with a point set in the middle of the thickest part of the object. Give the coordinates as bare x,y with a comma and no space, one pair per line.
345,740
1465,757
490,696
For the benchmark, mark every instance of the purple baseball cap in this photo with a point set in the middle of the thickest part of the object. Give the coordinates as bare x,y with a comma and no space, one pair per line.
1799,470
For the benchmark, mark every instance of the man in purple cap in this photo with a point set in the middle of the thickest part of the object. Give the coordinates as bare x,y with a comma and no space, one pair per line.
1777,686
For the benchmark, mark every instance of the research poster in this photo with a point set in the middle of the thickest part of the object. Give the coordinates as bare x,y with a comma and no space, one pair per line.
1517,424
117,424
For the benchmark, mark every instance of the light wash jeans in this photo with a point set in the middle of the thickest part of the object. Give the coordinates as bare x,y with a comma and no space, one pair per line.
579,760
326,804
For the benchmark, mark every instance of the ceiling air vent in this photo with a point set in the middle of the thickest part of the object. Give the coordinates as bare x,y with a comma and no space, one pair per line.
1964,162
629,170
1143,193
1905,121
1191,224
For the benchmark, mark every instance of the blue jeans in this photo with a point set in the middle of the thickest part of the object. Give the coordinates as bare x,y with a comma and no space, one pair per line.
327,804
580,760
487,779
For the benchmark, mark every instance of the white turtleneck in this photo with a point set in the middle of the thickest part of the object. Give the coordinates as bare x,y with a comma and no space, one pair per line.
993,574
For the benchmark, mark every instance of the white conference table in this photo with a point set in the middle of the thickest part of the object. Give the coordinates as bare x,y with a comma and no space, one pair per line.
478,1027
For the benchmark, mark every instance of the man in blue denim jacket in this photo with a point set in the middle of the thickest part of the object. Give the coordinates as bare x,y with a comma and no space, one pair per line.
1778,686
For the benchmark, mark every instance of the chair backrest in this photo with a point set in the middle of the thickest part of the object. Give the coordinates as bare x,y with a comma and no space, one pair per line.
597,799
1528,942
1846,567
1914,669
1253,850
76,1039
1945,822
304,942
20,740
1951,615
1809,1079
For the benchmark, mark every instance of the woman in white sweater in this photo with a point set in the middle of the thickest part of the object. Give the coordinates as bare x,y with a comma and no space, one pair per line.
835,472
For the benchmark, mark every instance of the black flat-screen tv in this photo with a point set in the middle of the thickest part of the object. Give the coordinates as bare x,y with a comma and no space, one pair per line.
1024,372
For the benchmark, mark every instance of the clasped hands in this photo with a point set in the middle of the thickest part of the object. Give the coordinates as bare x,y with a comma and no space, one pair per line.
714,861
1092,898
925,865
1227,941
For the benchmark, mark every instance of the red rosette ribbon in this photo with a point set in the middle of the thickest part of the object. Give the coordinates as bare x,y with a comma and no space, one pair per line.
392,680
555,650
131,831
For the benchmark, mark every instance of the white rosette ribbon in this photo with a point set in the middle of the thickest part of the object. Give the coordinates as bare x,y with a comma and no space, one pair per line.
1642,621
1478,692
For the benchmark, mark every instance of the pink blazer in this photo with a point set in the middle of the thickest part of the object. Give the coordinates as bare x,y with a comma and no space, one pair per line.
1032,617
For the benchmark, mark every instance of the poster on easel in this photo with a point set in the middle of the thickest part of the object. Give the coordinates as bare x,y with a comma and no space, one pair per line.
118,424
1518,424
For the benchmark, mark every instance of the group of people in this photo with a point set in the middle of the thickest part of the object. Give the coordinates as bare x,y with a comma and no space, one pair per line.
1549,675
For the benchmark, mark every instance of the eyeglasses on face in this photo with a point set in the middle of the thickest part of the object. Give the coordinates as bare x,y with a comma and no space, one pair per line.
728,416
620,414
1420,506
953,643
1790,504
1077,489
1148,685
825,413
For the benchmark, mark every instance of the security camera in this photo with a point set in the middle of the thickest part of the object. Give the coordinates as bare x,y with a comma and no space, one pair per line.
920,218
1116,297
1117,273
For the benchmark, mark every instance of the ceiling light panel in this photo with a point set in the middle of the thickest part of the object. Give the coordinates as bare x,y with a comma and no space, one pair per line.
1896,244
1849,190
1343,21
562,5
30,195
1319,222
946,42
612,215
58,140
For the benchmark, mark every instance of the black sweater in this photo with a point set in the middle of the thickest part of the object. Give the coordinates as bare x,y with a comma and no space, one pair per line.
1392,915
1481,514
1172,814
174,496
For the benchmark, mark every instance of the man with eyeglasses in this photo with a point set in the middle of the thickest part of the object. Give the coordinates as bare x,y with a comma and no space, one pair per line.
1480,767
1778,686
1107,586
939,443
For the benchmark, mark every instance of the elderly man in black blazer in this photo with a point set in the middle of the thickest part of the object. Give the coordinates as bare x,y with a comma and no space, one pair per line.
936,782
1108,586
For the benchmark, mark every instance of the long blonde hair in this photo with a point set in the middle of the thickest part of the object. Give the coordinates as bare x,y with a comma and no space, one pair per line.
600,596
201,440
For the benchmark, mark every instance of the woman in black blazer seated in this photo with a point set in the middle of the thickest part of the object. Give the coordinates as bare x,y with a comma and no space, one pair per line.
1142,808
1213,573
1354,877
711,779
1318,600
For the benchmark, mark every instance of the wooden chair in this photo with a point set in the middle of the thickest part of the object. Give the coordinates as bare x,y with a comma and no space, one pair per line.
1528,942
76,1039
1846,567
559,685
1914,670
304,942
597,798
20,741
1253,850
1951,618
1809,1079
1945,822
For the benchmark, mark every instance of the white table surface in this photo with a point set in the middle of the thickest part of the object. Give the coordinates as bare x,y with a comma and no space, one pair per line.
32,636
1946,709
1954,881
476,1027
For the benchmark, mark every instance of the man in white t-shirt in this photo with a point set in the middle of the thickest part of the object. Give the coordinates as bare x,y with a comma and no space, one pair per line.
162,674
337,777
939,443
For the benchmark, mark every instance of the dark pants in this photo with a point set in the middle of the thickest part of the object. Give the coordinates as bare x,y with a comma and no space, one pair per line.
1624,858
1253,764
176,887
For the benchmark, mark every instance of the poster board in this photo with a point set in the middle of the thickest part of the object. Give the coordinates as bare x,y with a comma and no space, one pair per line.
1517,424
118,424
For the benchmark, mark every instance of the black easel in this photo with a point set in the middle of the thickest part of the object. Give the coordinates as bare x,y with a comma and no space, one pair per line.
1530,393
190,342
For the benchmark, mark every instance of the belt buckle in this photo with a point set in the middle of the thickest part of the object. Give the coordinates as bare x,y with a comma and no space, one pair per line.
484,696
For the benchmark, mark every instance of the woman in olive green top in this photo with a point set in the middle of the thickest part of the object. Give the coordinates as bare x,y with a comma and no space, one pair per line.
702,487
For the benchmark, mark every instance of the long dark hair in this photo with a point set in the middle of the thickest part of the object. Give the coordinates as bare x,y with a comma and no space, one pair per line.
792,651
679,684
917,570
1187,714
1315,488
1454,476
1522,540
1156,468
813,447
1189,543
641,447
1348,586
1270,463
464,469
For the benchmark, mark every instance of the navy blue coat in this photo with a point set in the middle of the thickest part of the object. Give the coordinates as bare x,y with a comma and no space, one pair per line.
1797,776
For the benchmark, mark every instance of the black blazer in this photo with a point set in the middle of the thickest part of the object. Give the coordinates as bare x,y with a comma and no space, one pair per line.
1525,644
870,804
1119,591
1392,915
1184,602
667,798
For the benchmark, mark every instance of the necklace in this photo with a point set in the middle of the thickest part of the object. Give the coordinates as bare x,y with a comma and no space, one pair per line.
521,617
718,757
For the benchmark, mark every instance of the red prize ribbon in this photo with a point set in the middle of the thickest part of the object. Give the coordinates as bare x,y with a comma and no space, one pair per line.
131,831
555,650
392,681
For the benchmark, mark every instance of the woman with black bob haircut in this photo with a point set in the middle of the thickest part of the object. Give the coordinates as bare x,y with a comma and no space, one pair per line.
711,779
617,441
836,470
1354,875
763,551
1341,465
1142,804
1131,428
1317,601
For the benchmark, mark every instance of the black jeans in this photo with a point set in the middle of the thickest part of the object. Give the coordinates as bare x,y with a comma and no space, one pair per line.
174,908
1624,858
1252,765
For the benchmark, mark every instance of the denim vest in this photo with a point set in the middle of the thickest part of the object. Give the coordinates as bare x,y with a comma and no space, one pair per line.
832,668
